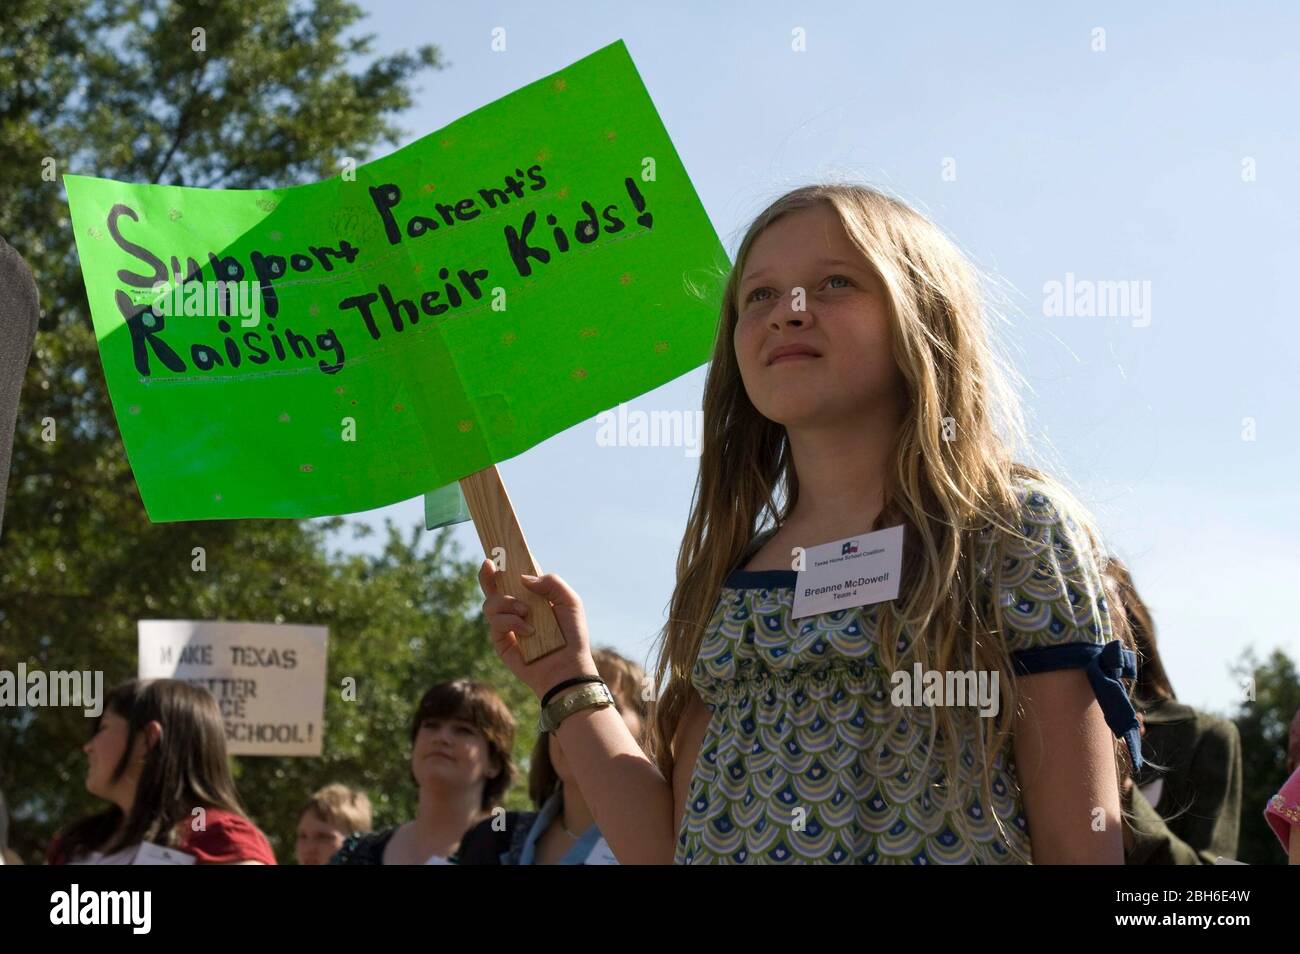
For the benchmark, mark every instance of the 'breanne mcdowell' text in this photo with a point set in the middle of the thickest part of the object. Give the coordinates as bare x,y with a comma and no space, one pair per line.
377,311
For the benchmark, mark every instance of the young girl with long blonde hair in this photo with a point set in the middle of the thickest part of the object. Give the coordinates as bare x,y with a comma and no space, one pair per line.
853,388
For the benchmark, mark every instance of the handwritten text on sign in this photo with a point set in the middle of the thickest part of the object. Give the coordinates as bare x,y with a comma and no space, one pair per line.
381,310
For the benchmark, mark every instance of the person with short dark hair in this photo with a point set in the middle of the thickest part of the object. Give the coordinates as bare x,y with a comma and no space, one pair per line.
462,734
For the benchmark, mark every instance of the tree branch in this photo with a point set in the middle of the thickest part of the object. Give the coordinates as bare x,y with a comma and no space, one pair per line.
183,122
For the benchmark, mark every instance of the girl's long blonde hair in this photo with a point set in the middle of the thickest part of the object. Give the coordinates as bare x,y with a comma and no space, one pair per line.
944,491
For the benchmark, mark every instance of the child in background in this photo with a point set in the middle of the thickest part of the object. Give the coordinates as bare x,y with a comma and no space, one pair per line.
332,814
852,379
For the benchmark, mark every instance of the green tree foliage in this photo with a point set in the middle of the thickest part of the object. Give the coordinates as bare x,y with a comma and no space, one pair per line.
279,94
1263,723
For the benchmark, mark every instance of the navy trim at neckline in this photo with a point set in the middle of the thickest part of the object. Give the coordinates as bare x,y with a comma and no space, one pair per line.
760,579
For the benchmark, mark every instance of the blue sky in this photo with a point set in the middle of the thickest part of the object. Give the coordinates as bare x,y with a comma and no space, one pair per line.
1121,165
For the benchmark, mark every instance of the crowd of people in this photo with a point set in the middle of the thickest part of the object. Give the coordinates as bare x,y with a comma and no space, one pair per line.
157,758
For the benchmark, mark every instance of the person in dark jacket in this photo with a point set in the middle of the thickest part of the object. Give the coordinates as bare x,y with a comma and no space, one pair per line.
1184,806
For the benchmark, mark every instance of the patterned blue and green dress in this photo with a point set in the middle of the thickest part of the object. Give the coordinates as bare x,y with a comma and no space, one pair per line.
807,759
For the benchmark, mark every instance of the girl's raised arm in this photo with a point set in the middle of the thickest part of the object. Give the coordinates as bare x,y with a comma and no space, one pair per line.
630,800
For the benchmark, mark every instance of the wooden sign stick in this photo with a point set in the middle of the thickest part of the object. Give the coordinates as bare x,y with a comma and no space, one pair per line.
497,526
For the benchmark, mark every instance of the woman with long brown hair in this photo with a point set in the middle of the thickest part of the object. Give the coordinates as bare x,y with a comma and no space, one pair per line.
158,754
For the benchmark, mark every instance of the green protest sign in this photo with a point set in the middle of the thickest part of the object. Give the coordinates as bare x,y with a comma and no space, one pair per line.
344,345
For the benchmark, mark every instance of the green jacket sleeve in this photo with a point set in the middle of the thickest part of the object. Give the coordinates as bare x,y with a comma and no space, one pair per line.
1211,826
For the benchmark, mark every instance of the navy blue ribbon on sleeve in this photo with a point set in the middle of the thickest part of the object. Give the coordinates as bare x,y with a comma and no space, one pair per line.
1105,666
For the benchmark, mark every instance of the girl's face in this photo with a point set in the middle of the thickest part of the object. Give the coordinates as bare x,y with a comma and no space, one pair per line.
103,752
451,753
805,283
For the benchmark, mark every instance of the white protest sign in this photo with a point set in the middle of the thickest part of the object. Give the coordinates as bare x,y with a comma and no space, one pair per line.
268,678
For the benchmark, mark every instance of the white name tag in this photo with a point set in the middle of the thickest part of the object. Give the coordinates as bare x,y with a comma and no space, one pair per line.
856,571
601,854
437,860
151,854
